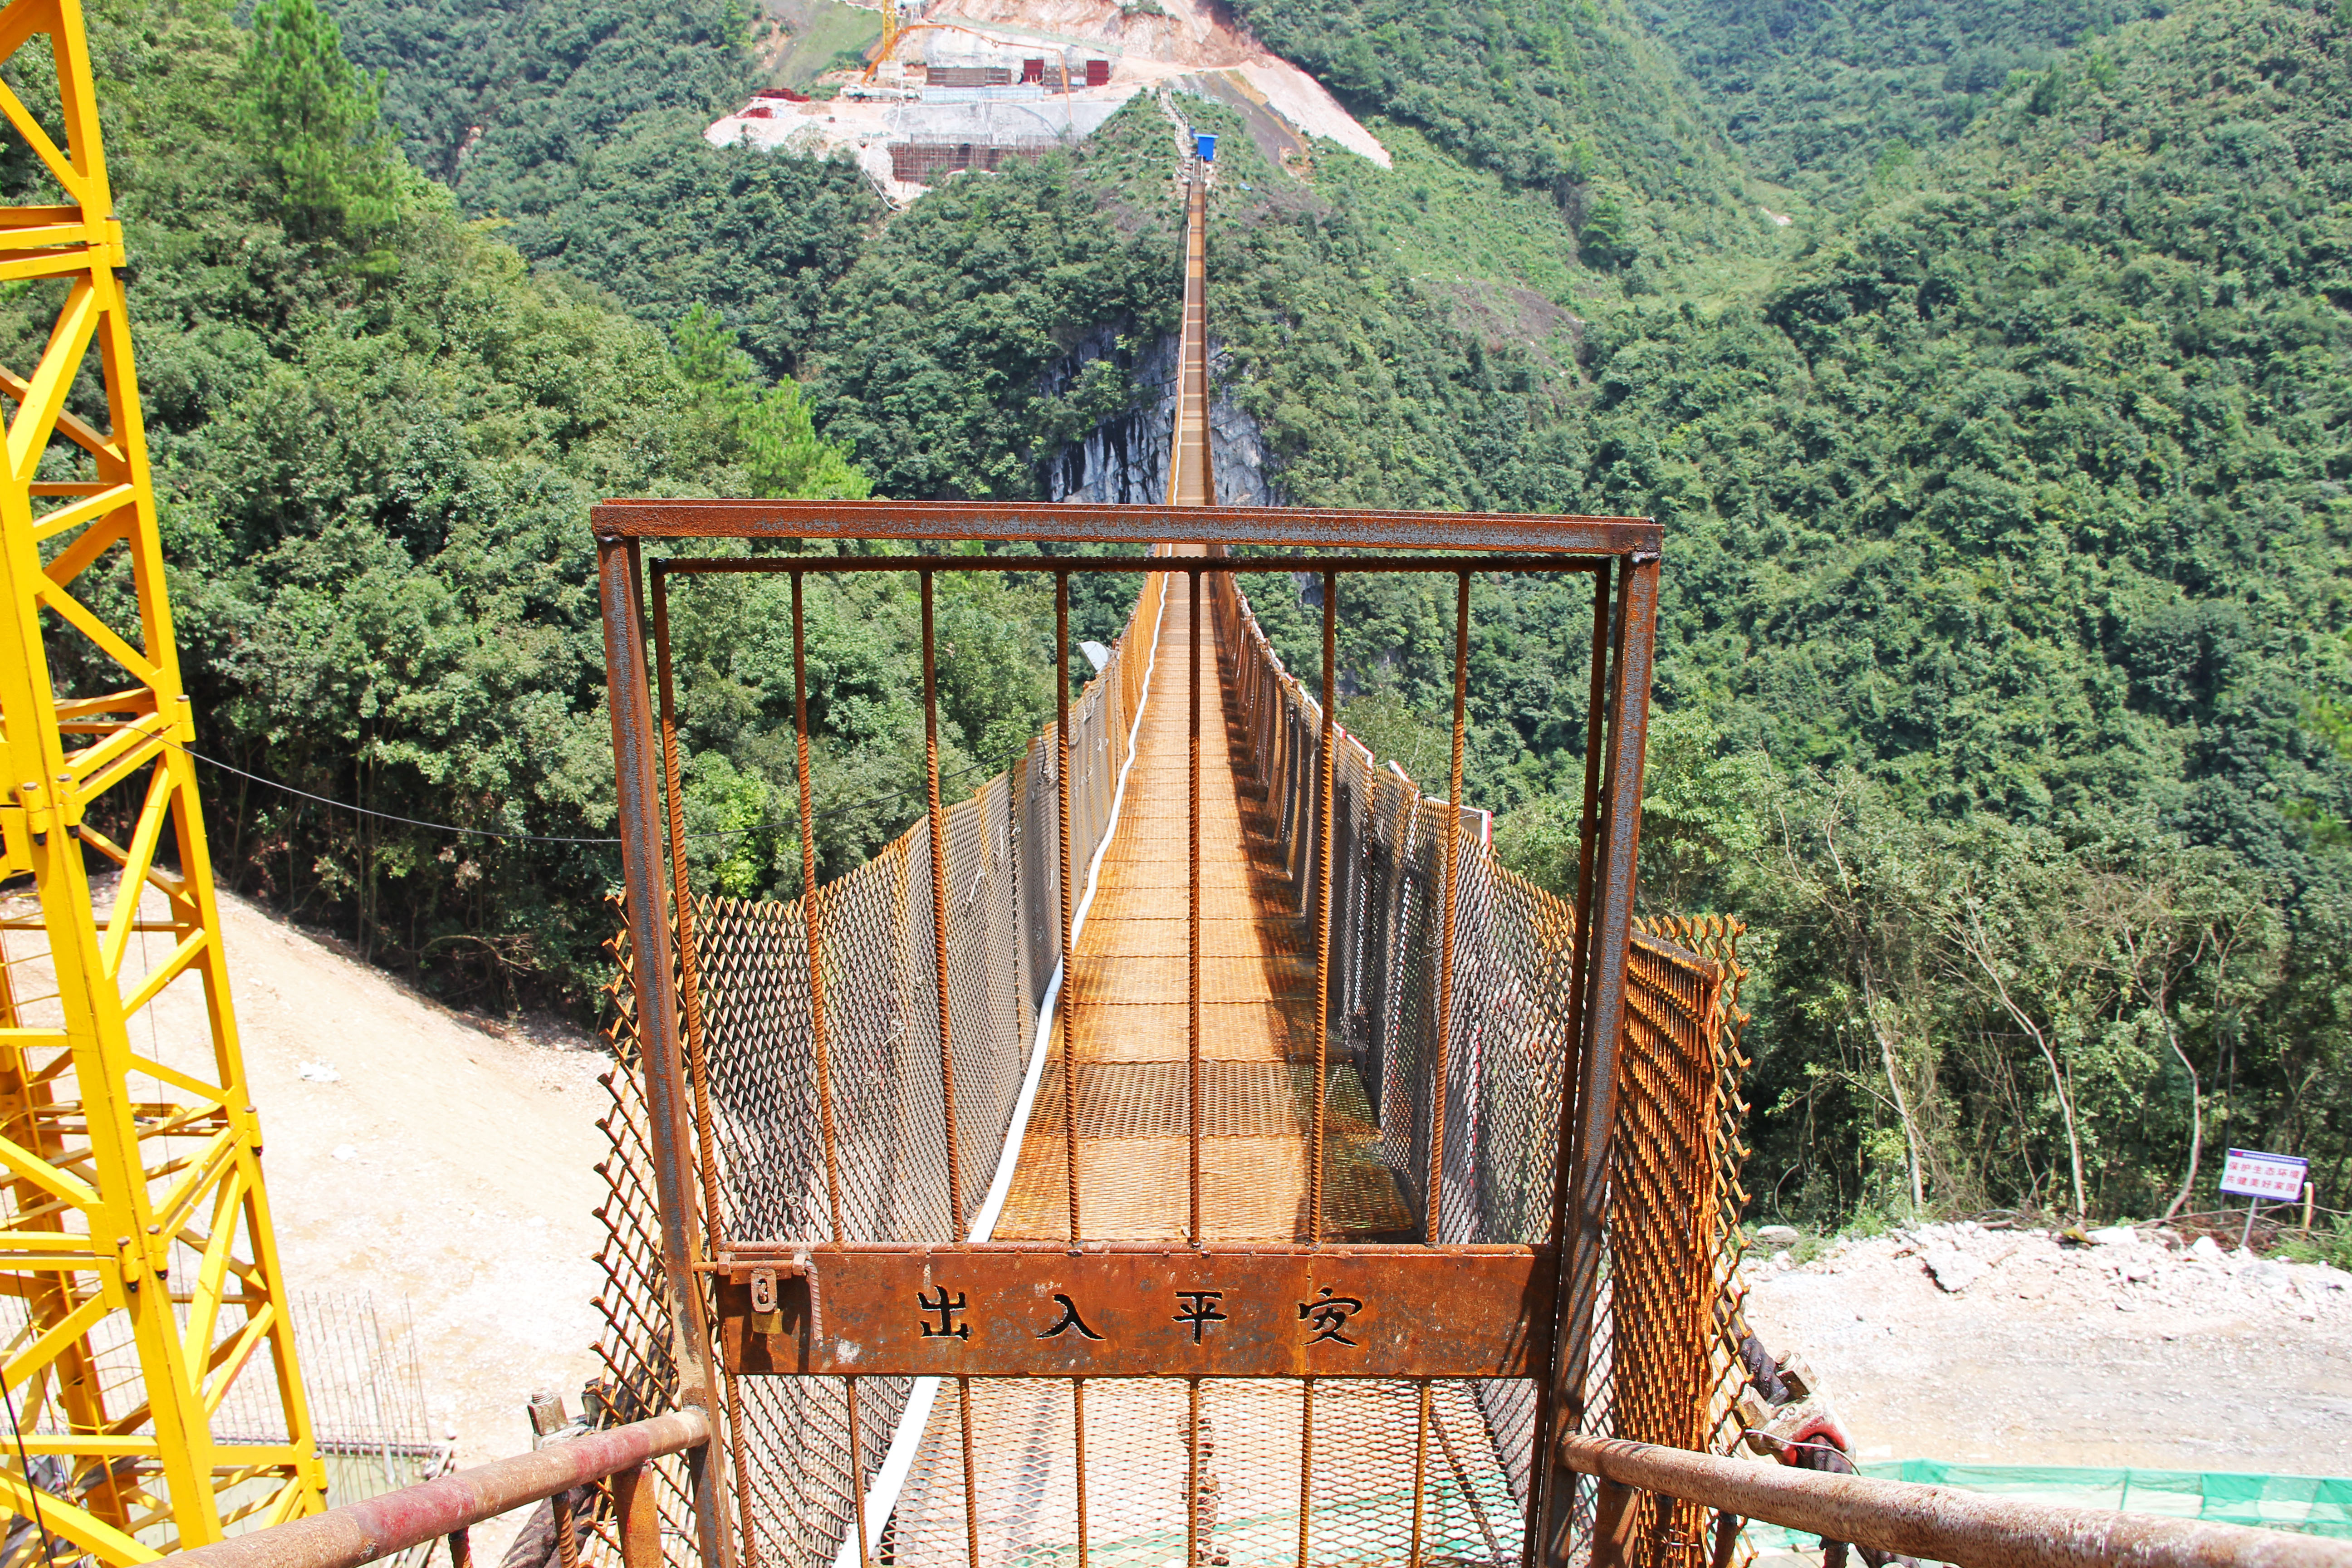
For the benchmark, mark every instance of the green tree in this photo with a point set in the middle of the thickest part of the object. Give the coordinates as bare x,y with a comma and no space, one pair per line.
770,427
320,130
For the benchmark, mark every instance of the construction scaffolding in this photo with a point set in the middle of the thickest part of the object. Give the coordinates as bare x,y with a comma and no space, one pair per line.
922,162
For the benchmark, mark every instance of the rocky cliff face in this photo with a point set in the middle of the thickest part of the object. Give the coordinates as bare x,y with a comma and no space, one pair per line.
1124,460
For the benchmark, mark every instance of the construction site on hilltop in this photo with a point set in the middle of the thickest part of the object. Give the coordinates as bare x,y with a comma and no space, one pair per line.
1193,1145
956,86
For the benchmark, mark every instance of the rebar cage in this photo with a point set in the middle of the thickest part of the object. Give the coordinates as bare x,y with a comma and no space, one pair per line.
1081,1032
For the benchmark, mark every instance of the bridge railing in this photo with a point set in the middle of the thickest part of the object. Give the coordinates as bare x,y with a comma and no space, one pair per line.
744,977
745,982
1664,1362
614,1468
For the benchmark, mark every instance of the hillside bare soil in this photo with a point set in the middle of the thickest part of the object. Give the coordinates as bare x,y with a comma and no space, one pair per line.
2131,1352
437,1163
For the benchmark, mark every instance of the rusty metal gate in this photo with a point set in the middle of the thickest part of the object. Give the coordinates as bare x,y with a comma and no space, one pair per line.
1158,1155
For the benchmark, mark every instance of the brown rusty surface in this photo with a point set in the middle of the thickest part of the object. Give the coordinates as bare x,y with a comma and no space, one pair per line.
1191,480
1185,1107
1249,1476
1082,523
414,1516
1044,1310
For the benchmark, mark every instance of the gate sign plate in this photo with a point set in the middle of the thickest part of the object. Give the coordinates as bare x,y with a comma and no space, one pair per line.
1048,1310
2251,1174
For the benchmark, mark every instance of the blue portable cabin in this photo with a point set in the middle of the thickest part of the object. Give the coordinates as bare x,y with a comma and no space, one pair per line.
1204,144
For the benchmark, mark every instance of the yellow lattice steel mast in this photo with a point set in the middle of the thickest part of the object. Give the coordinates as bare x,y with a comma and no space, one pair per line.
140,1295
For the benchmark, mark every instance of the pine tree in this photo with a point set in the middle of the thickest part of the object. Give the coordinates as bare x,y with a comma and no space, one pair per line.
321,129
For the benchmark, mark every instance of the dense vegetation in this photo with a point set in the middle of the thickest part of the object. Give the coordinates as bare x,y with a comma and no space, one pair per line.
1573,97
376,434
2003,675
2007,531
1821,92
582,133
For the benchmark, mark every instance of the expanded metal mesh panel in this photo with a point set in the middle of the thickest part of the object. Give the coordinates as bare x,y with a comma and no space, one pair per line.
1514,949
1379,1476
1362,1458
1715,938
1665,1367
640,1373
795,1482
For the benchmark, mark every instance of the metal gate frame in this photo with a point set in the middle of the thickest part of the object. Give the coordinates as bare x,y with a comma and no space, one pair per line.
1622,552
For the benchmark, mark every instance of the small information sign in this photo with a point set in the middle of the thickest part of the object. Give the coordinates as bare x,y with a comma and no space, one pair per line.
2251,1174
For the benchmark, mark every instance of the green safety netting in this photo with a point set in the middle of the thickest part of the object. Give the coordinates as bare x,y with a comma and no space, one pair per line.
2316,1505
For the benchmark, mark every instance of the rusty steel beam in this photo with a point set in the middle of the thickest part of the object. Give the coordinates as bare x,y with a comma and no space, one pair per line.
1940,1523
826,565
635,750
414,1516
1103,1310
1607,942
1077,523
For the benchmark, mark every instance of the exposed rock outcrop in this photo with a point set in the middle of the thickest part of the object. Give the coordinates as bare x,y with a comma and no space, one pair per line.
1123,460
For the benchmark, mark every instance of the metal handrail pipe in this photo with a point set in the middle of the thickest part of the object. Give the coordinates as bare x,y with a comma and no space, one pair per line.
361,1533
1943,1523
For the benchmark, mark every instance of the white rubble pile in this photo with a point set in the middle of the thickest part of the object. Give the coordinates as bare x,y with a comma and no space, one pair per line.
2129,1268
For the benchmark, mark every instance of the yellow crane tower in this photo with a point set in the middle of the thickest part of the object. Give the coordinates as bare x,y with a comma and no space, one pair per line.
152,1399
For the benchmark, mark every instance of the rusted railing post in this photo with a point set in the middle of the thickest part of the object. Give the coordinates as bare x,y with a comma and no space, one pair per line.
636,1518
444,1507
1942,1524
1612,1523
1632,644
669,1131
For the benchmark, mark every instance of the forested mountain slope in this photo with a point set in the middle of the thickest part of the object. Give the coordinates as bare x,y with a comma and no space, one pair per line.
1819,92
2018,509
376,434
581,128
1573,97
2002,680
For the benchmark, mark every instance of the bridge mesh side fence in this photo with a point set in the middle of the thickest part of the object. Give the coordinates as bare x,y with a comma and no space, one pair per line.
1666,1369
751,970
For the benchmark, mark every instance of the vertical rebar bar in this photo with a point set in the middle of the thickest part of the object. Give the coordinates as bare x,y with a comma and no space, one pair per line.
567,1541
1446,929
938,824
857,1479
1192,1558
1306,1463
1078,1416
1063,1020
743,1512
812,925
697,1064
1193,946
1419,1474
1326,778
971,1479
